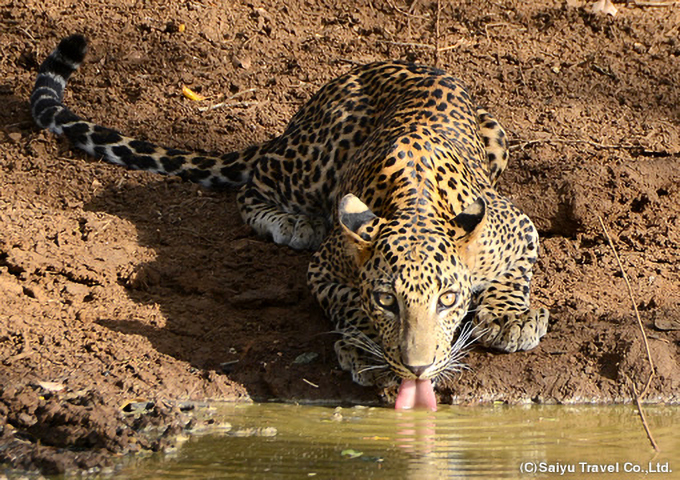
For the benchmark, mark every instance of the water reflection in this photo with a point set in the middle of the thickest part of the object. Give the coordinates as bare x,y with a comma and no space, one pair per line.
455,442
416,432
416,436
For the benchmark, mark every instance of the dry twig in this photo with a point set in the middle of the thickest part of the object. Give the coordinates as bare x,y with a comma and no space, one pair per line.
643,418
408,14
638,397
638,3
233,104
641,150
407,44
436,37
523,145
228,105
310,383
460,42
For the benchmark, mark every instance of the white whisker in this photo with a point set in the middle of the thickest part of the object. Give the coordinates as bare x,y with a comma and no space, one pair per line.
368,368
459,349
386,377
365,345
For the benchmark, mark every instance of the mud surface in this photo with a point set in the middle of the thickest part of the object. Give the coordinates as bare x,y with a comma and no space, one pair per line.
120,289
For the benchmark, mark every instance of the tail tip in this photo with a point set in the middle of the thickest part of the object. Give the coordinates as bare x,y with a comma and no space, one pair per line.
73,48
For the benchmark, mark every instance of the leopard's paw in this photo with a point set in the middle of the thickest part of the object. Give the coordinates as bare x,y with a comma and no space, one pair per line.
512,332
299,232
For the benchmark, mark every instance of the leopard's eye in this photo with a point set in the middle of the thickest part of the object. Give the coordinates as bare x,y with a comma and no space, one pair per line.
448,300
386,301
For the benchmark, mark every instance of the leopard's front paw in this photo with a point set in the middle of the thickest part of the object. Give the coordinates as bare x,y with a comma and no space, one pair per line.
512,332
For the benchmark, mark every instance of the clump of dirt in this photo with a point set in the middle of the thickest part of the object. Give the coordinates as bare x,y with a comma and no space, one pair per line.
123,288
56,433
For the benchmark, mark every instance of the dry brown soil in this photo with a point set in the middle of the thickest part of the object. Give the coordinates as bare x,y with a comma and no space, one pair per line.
119,287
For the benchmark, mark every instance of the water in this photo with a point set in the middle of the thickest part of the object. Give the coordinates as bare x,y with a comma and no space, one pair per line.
455,442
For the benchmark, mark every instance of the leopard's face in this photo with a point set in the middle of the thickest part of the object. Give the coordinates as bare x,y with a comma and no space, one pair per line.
415,293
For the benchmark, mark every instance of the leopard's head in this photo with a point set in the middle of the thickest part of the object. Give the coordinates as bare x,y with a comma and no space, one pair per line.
414,277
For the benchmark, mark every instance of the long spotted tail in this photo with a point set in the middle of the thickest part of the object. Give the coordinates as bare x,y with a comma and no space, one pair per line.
49,111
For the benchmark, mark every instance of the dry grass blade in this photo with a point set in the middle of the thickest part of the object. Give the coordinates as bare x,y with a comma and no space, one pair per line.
310,383
643,418
225,103
228,105
407,44
641,395
641,150
408,14
638,3
437,35
523,144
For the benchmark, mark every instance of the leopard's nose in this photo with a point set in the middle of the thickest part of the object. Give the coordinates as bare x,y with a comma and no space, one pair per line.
418,370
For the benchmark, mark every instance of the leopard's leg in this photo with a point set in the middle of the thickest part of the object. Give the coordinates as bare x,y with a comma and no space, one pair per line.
297,230
358,350
495,142
503,316
507,325
272,214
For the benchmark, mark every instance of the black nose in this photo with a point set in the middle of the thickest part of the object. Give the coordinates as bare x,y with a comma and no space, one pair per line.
418,370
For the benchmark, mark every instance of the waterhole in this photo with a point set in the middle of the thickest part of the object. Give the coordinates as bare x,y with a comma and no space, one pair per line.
292,442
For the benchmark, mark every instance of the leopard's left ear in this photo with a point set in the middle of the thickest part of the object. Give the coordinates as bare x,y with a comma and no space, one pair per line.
469,223
360,224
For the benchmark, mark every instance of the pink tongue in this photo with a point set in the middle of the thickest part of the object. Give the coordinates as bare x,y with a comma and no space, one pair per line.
416,394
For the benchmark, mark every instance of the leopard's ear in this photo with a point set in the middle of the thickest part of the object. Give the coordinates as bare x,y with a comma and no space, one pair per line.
360,224
469,223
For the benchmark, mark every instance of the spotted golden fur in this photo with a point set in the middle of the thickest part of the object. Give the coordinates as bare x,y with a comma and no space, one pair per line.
389,173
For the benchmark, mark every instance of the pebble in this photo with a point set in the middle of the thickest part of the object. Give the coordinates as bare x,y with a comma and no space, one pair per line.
255,432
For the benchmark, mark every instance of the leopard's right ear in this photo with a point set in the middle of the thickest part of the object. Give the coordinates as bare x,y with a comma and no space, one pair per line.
360,224
469,223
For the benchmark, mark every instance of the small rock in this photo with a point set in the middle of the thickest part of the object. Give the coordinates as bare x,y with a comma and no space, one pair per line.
241,62
639,48
255,432
9,285
666,324
138,407
305,358
36,292
51,386
605,7
136,57
77,289
25,420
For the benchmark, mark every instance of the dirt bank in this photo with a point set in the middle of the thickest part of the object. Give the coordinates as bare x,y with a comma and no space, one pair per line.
124,294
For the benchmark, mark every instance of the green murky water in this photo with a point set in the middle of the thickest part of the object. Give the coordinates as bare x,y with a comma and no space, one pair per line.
455,442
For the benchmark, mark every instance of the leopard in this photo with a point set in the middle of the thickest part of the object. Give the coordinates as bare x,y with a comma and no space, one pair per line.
389,175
